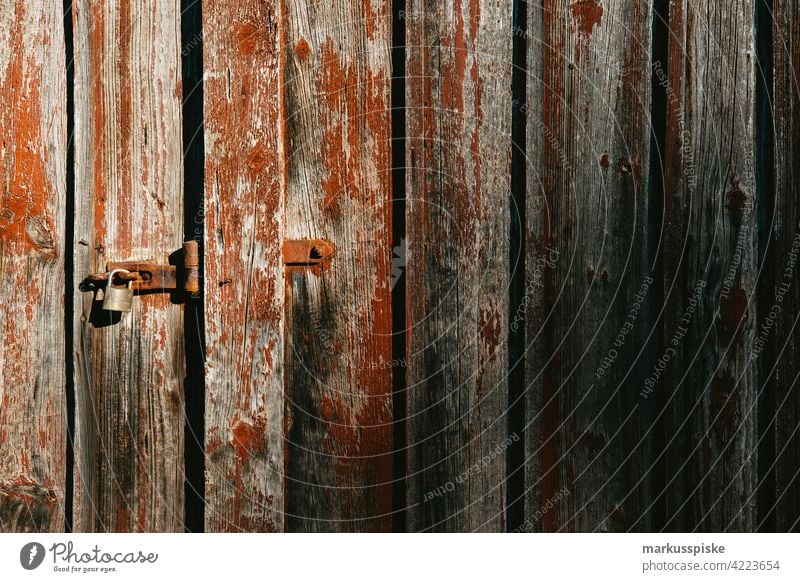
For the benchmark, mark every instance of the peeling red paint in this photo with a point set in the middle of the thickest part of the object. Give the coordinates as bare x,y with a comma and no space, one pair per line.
455,69
332,83
213,441
24,187
122,516
370,19
587,15
124,130
247,438
98,128
490,329
354,110
142,485
247,34
25,462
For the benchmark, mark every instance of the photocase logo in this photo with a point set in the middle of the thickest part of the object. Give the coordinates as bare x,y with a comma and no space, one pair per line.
31,556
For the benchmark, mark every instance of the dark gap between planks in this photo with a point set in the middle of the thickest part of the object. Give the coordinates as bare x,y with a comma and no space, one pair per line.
194,228
656,192
399,355
765,202
515,453
69,267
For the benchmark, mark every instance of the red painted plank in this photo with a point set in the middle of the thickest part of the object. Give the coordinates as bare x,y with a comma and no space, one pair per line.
244,289
458,106
589,269
33,136
338,354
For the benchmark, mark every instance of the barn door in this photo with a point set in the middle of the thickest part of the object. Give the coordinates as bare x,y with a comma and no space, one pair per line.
468,265
301,421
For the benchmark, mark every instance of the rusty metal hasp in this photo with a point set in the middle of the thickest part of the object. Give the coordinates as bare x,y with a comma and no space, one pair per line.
147,276
150,277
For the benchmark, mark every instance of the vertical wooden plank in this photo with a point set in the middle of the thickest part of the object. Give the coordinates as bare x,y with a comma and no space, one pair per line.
244,291
128,205
786,294
707,390
458,215
339,353
589,275
33,149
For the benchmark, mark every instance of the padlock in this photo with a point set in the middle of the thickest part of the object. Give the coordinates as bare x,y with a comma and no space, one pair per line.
118,298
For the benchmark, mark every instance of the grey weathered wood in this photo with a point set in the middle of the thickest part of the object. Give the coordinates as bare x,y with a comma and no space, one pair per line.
786,241
708,389
458,100
129,371
589,267
33,132
244,291
339,354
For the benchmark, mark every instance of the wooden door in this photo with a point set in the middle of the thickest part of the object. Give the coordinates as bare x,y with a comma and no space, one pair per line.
563,290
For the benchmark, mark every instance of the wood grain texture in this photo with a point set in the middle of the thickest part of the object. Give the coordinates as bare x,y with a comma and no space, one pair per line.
708,389
458,98
33,139
128,205
244,291
339,324
786,283
589,268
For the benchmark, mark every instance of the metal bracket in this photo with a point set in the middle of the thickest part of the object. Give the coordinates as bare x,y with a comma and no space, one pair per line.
149,277
307,253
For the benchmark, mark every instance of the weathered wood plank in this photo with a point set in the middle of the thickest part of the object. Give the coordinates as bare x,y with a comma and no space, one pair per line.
33,142
128,205
244,291
458,97
589,268
339,353
708,386
786,284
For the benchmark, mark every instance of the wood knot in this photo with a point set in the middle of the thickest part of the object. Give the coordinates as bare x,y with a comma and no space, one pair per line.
302,49
737,199
733,313
41,235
